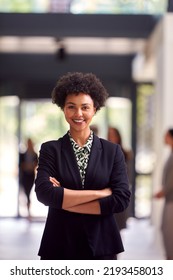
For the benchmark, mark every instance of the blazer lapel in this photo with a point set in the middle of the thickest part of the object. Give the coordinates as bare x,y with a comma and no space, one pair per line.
94,160
70,158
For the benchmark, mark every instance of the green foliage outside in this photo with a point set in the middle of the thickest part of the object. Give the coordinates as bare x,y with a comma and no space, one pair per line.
89,6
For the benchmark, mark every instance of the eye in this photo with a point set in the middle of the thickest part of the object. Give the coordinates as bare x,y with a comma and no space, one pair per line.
70,106
85,108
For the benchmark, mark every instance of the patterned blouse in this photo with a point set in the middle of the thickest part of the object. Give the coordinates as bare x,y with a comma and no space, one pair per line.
82,155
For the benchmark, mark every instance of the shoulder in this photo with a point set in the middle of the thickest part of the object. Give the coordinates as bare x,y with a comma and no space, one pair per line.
21,156
108,146
54,144
111,151
51,145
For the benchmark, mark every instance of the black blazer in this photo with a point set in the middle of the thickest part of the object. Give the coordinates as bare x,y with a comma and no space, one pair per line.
106,168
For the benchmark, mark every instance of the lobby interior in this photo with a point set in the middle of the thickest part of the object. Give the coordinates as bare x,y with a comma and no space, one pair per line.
129,47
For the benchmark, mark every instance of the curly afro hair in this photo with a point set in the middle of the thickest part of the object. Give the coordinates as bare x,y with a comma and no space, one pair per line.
75,83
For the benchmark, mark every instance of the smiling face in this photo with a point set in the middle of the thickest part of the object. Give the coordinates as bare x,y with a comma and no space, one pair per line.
79,110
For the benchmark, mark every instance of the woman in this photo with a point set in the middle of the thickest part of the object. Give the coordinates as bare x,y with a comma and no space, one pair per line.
82,178
114,136
27,166
166,192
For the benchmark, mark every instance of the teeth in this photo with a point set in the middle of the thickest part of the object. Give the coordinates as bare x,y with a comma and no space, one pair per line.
78,121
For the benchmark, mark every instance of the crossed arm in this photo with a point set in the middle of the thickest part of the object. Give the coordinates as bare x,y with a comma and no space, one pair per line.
82,201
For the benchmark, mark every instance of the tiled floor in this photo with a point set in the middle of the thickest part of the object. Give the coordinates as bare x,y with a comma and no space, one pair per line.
20,239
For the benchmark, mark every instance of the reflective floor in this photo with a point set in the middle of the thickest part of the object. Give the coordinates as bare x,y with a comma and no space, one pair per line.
141,241
20,239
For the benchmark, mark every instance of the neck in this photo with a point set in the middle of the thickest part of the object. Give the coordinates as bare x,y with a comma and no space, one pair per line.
80,137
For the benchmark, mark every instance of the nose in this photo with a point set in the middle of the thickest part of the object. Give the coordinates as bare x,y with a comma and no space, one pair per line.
78,112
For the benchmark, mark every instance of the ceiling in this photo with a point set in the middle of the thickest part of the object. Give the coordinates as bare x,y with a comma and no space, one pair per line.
36,48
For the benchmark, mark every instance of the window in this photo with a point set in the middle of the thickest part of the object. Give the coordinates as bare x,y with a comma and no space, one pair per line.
85,6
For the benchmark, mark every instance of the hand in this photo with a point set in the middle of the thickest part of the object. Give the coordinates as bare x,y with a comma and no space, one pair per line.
159,194
54,182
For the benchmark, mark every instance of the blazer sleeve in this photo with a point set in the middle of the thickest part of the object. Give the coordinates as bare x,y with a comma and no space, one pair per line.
119,183
45,192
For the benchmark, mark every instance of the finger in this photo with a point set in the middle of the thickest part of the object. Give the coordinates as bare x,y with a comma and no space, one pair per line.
52,179
54,182
55,185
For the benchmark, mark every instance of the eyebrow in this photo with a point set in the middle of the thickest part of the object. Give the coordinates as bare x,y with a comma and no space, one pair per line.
81,104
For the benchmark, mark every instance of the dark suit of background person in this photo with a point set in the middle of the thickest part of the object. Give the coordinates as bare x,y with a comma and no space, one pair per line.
27,164
114,136
82,235
166,192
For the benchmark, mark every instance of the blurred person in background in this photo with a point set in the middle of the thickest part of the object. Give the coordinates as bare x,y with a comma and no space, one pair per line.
114,136
95,129
166,192
82,178
27,166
